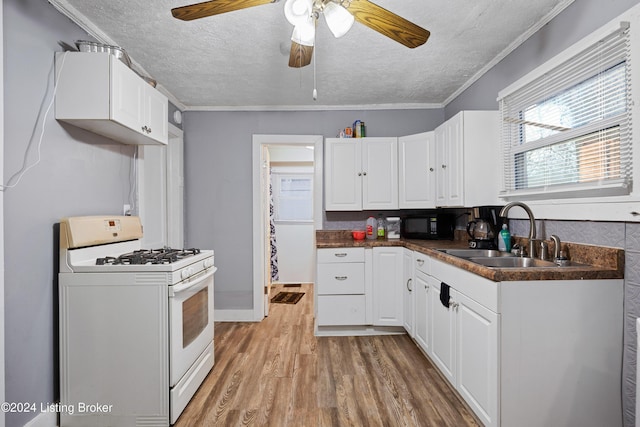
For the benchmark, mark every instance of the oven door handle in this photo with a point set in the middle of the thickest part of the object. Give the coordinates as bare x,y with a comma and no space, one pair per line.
176,289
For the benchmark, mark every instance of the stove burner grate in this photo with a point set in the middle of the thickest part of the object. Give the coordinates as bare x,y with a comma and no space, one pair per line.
149,256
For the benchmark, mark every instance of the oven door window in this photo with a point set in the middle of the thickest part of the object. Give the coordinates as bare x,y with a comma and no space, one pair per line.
195,316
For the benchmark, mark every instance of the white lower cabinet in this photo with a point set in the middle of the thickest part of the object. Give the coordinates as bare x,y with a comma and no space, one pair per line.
408,292
423,289
465,340
387,286
477,359
340,287
443,340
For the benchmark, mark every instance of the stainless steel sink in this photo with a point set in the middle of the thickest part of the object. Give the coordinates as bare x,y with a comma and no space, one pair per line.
511,262
473,253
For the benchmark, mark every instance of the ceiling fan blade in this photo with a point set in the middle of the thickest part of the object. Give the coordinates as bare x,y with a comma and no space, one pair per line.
300,55
214,7
388,23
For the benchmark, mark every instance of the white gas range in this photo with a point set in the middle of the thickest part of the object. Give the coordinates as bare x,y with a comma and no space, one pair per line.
136,325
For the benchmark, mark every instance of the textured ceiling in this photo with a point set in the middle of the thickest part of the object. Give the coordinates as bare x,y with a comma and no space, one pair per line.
239,59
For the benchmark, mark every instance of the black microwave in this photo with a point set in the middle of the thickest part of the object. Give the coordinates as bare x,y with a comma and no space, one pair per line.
428,227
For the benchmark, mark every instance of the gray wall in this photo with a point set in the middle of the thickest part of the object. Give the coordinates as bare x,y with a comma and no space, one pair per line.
79,174
218,176
577,21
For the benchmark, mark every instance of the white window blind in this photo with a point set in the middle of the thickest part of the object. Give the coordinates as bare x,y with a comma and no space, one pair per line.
567,133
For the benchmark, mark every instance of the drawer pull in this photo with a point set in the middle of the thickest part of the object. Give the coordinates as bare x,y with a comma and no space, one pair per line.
341,254
420,261
341,277
409,288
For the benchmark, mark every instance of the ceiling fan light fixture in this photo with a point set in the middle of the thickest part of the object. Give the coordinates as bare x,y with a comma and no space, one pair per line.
339,20
305,33
298,11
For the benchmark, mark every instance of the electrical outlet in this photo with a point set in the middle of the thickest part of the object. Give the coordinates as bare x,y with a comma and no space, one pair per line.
126,210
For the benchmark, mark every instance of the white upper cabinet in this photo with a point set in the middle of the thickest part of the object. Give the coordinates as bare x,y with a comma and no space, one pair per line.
416,171
361,174
98,92
468,159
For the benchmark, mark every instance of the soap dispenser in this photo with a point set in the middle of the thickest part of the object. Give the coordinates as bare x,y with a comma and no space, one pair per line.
504,239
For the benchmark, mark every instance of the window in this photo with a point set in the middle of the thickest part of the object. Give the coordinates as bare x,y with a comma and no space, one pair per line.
567,133
293,197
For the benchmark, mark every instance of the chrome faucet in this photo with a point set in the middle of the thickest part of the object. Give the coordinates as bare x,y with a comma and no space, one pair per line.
532,224
556,242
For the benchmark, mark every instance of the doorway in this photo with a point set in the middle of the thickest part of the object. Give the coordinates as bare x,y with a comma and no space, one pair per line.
261,245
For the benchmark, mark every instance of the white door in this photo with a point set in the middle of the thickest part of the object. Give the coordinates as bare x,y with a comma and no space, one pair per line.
443,330
416,171
423,291
265,181
477,349
343,174
127,105
387,286
379,173
408,292
455,173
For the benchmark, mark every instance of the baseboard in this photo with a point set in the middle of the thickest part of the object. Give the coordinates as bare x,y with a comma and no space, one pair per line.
45,419
234,315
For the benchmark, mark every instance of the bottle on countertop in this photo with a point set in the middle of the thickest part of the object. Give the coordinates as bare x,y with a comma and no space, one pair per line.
371,228
504,239
382,227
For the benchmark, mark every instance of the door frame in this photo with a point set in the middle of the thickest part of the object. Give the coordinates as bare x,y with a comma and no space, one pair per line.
259,254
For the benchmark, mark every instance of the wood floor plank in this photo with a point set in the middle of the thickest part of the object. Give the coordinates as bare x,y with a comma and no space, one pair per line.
277,373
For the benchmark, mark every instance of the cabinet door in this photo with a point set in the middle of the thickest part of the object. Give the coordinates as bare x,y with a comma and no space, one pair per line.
408,292
343,174
477,357
416,171
379,173
450,162
387,286
156,114
423,290
443,335
127,97
341,310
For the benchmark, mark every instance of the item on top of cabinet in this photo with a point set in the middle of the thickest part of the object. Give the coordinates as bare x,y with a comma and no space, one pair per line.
371,226
393,227
381,227
504,239
358,129
358,234
348,133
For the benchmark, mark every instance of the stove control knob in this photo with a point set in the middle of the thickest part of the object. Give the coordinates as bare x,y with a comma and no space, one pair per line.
208,263
185,273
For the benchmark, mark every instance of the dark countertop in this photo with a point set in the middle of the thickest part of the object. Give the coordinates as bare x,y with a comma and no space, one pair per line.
604,262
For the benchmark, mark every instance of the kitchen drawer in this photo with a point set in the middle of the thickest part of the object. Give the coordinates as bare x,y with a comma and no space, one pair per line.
422,262
338,310
340,255
340,278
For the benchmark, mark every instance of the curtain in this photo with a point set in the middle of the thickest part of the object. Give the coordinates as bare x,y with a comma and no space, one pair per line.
272,234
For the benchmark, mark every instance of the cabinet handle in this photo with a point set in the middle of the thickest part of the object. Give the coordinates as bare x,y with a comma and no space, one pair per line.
444,166
453,304
148,130
341,277
430,169
341,254
420,261
359,173
409,287
364,173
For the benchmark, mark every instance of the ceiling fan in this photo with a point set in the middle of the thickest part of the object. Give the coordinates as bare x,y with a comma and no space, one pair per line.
303,15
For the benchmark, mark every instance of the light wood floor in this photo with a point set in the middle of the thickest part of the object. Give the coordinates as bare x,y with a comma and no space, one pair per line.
278,373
